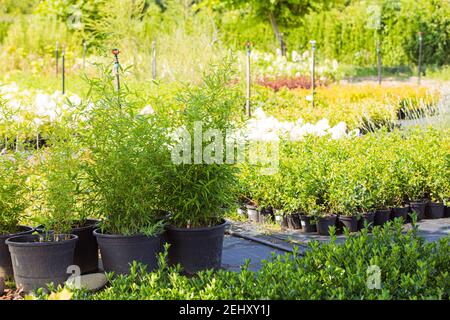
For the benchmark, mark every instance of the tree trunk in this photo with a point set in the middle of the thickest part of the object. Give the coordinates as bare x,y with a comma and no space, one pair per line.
278,36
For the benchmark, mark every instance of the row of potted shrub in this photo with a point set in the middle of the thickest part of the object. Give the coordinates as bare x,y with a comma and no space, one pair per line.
380,172
112,181
310,224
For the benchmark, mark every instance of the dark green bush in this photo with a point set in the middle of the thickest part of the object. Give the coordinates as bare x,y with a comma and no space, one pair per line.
411,268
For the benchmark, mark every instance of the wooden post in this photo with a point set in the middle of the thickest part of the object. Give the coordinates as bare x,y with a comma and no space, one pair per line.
247,101
313,72
154,60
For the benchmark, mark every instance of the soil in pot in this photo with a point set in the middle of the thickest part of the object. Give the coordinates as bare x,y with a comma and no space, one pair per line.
308,223
349,222
366,217
252,213
400,212
419,208
434,210
6,269
37,264
293,221
119,251
196,248
381,217
86,249
324,223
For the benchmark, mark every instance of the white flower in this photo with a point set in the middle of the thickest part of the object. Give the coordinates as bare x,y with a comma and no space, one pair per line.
338,131
146,110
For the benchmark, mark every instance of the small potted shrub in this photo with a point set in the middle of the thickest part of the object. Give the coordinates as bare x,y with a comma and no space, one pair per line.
12,206
324,222
197,193
127,156
42,259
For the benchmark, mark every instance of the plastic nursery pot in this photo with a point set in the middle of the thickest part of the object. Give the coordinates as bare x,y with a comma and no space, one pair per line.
349,222
307,223
366,217
293,221
6,269
434,210
252,213
37,264
400,212
266,215
196,248
447,212
419,208
381,217
324,223
86,249
119,251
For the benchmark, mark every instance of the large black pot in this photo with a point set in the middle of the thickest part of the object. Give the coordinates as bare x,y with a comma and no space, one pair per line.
37,264
253,213
381,217
419,208
400,212
349,222
86,250
6,269
293,221
366,217
266,215
196,248
119,251
307,223
447,212
434,210
324,223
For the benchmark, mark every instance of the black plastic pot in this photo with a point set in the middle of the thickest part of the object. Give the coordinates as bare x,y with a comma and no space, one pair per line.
447,212
119,251
307,223
266,215
196,248
400,212
419,208
366,217
434,210
6,269
293,221
324,223
252,213
381,217
349,222
37,264
86,249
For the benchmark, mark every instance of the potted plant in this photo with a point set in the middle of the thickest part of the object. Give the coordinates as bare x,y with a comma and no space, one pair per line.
12,206
127,158
67,163
42,259
197,191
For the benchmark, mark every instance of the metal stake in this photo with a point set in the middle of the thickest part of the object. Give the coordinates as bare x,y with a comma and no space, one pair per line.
116,52
247,101
63,69
153,59
313,67
57,56
420,56
379,62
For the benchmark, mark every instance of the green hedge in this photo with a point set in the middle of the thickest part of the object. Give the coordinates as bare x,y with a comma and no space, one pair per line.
411,268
